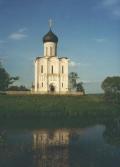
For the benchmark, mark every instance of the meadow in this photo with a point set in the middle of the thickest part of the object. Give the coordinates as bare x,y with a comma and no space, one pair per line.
52,109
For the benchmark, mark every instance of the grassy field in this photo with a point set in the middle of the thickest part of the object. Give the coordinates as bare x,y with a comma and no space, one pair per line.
39,108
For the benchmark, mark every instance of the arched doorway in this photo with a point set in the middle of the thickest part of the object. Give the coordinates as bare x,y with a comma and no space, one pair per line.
52,88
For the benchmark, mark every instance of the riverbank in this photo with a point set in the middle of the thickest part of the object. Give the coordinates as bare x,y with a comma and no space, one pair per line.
60,110
47,105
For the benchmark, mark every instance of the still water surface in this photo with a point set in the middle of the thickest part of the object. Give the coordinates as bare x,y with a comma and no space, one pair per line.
95,146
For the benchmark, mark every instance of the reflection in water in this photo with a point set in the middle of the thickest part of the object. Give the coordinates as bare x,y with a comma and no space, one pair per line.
51,148
49,138
112,132
87,147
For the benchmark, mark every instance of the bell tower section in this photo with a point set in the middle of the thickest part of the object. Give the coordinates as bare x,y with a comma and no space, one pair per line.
50,41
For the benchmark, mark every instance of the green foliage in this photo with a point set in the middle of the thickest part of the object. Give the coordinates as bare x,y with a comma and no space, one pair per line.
5,79
0,65
111,84
80,88
73,76
54,111
111,87
55,106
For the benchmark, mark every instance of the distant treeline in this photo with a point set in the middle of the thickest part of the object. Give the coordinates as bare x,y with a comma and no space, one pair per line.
18,88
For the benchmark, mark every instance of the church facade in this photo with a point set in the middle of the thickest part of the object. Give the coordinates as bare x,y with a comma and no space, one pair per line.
51,71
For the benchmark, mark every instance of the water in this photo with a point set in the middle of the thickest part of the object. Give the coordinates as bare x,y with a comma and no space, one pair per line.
92,146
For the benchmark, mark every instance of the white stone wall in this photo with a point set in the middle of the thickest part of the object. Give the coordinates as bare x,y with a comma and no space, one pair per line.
50,49
54,72
53,78
58,77
41,77
63,75
36,75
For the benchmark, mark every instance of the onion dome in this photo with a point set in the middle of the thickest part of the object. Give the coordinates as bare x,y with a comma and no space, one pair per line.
50,37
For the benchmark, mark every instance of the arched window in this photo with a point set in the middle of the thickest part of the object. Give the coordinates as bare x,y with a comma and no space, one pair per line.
52,69
62,85
50,51
62,69
42,84
42,69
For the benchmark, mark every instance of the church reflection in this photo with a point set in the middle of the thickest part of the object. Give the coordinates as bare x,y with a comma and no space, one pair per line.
51,148
62,147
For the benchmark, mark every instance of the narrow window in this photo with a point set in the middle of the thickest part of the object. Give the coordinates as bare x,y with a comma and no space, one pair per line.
62,69
42,69
62,85
37,85
42,84
52,69
55,50
50,51
46,51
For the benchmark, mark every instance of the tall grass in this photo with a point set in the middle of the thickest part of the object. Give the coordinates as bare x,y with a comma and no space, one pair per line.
55,110
44,105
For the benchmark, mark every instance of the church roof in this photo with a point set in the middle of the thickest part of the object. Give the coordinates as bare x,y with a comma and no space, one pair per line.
63,58
50,37
38,58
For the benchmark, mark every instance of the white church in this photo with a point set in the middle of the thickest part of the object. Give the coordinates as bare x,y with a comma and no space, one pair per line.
51,71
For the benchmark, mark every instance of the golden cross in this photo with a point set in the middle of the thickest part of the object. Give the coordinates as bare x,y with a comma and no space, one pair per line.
50,23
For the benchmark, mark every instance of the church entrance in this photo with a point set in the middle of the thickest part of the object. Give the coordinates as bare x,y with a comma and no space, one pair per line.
52,88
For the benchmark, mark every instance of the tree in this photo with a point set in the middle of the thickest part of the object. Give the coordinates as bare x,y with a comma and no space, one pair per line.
73,85
80,88
111,87
0,65
5,79
73,76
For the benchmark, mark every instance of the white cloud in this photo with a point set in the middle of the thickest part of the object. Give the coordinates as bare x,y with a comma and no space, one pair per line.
100,40
90,81
85,81
110,2
73,64
76,64
19,35
116,12
22,30
111,7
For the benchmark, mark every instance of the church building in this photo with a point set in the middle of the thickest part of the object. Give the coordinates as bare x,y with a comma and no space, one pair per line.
51,71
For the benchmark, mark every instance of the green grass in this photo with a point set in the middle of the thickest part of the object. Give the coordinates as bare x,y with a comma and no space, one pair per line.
57,109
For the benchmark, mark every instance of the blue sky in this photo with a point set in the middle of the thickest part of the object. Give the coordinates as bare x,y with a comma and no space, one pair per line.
88,31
